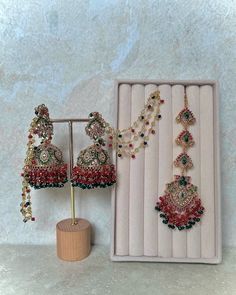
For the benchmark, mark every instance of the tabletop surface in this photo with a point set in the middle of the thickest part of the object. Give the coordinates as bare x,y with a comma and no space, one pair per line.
26,270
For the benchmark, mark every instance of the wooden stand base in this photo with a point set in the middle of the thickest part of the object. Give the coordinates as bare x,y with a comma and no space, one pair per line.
73,241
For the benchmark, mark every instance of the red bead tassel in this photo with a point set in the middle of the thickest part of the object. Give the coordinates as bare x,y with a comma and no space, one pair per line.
51,176
176,218
87,177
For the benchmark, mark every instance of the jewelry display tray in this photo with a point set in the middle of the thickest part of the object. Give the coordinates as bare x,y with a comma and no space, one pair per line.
138,233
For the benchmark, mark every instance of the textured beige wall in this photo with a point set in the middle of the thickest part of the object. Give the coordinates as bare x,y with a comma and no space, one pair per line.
67,54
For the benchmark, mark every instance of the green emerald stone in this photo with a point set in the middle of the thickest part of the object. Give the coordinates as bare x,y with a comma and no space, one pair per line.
186,138
184,160
186,115
182,181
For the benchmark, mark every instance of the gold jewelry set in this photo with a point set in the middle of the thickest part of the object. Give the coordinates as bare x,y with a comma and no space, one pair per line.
180,207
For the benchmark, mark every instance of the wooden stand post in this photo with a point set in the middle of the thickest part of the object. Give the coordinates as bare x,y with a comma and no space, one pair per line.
73,234
73,240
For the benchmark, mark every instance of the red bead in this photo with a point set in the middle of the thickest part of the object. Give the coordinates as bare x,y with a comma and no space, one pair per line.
22,174
162,101
32,218
110,137
130,145
133,156
110,145
30,136
28,190
132,130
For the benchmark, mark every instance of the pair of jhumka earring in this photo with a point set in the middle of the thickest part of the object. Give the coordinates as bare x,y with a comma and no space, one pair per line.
44,166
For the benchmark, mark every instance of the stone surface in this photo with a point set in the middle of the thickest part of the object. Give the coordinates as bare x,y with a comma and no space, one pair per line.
67,54
35,270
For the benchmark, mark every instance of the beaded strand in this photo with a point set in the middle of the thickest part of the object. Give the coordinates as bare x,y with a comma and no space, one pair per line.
128,142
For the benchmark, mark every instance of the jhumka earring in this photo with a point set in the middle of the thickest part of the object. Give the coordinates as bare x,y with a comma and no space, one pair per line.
44,166
94,167
181,206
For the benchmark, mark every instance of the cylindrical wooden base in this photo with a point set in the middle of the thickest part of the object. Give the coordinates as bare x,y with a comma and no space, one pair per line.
73,241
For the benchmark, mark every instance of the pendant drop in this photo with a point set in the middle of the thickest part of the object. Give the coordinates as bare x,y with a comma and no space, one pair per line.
180,206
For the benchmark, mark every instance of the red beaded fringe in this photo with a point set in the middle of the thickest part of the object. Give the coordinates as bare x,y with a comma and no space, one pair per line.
50,176
176,218
88,178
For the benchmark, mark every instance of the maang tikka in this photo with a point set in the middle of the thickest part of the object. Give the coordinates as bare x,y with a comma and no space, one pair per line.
44,166
94,168
181,206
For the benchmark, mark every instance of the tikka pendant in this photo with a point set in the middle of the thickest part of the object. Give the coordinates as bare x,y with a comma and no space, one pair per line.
180,206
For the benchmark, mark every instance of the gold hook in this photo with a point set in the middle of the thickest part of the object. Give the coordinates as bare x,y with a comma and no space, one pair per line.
185,98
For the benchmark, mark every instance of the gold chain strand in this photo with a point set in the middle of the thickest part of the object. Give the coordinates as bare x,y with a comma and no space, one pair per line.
185,98
36,124
138,133
26,209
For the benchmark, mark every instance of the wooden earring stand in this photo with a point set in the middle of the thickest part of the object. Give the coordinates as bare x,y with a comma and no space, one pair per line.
73,234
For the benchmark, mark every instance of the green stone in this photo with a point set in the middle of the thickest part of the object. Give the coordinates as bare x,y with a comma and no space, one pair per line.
186,115
184,160
171,226
186,138
182,181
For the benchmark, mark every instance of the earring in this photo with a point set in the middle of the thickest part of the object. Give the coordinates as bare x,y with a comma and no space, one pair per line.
44,166
94,167
181,206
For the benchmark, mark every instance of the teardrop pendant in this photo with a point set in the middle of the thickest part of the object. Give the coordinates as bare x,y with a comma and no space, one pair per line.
180,206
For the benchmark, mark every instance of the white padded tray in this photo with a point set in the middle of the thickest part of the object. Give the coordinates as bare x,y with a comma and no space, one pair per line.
138,233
